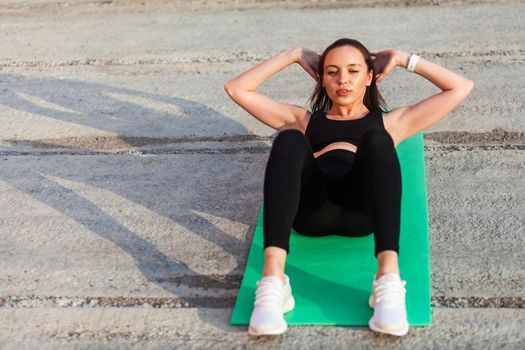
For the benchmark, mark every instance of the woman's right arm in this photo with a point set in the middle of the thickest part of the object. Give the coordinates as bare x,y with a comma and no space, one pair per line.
242,90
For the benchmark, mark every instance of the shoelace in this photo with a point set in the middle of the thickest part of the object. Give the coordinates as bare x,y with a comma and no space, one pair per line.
268,294
390,292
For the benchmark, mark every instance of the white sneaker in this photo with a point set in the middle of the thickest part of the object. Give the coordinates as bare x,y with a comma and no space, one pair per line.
388,301
273,298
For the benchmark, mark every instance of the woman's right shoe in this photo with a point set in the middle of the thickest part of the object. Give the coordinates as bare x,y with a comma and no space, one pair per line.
273,298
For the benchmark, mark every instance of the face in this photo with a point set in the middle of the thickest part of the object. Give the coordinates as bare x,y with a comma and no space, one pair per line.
345,68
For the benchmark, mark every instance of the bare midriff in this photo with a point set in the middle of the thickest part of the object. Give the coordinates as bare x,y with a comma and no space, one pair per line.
336,145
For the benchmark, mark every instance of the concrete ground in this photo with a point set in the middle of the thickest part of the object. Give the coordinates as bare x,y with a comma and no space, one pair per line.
131,183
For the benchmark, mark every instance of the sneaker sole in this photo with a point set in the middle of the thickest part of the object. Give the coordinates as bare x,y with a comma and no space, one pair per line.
399,333
289,305
275,331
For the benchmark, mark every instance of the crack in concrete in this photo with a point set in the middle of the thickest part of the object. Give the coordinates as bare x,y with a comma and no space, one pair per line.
500,56
479,302
495,135
110,334
204,281
496,139
237,150
121,142
33,301
205,5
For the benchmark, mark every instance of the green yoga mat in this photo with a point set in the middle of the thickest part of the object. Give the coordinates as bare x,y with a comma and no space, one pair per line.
331,276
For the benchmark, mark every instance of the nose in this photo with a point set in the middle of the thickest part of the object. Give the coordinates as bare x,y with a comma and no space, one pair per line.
342,77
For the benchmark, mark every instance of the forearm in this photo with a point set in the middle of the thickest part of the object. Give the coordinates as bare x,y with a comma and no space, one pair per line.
254,77
441,77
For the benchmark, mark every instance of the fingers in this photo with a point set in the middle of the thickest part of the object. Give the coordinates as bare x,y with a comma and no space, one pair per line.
315,76
389,68
311,72
384,73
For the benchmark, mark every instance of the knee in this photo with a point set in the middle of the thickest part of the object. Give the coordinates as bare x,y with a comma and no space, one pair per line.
290,141
376,141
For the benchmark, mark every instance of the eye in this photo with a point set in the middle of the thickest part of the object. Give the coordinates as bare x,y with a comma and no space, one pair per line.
331,72
354,71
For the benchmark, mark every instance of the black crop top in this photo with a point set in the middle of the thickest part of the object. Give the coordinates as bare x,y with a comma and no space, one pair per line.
322,131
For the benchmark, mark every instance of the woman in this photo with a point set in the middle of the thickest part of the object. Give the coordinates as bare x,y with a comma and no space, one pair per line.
335,170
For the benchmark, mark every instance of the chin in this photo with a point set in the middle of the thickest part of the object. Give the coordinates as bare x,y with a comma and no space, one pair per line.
345,99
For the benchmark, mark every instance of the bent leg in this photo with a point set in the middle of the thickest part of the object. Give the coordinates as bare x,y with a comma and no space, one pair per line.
374,187
292,182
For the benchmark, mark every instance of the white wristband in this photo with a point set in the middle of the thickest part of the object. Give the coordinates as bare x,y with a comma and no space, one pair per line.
412,63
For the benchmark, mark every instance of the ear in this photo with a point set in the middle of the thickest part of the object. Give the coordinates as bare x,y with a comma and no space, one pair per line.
369,78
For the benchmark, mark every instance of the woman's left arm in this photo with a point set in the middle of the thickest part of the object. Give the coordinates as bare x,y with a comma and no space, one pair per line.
411,119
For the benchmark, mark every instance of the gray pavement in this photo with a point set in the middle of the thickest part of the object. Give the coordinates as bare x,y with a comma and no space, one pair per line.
131,183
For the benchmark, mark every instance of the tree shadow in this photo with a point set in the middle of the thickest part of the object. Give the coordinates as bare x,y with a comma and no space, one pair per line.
77,194
125,112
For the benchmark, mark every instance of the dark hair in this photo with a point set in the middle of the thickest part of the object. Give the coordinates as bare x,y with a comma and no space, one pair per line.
319,101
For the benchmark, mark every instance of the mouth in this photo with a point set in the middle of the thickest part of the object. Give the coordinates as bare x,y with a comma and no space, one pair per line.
343,92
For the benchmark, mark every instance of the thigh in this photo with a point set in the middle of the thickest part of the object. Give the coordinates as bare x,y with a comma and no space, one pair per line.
313,191
354,187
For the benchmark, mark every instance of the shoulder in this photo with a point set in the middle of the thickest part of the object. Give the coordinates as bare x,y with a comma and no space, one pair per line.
391,123
302,118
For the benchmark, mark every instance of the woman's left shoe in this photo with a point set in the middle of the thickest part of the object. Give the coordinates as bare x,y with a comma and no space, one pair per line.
388,301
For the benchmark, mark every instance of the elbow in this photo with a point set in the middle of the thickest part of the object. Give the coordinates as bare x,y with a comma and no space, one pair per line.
465,88
228,88
469,86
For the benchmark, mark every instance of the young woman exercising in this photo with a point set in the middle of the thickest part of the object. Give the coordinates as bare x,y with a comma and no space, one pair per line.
335,170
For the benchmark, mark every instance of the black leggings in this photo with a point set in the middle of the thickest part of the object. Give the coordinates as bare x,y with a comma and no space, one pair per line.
340,192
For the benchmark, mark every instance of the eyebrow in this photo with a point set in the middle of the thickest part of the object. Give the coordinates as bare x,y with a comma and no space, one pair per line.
351,64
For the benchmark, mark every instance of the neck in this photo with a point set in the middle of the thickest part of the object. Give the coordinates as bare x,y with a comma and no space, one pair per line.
347,112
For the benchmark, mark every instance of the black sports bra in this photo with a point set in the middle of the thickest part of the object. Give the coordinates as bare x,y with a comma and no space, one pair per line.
322,131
